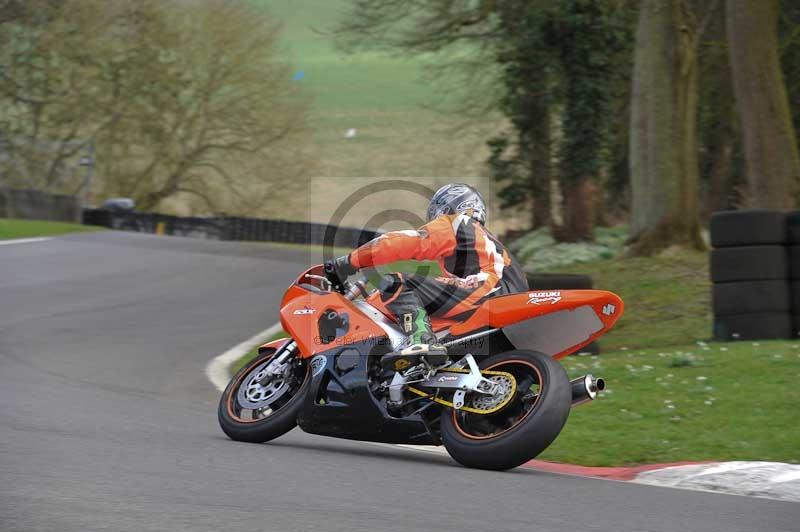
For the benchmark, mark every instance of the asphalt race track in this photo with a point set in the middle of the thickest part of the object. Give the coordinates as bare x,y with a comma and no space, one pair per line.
107,421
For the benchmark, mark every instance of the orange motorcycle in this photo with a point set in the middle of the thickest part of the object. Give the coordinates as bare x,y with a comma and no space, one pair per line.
501,401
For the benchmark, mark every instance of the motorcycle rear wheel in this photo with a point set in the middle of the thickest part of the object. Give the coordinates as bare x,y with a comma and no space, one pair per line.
248,423
523,429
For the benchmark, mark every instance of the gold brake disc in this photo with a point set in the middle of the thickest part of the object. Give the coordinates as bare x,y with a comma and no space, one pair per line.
484,411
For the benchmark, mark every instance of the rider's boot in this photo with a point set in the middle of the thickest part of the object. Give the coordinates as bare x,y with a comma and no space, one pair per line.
421,343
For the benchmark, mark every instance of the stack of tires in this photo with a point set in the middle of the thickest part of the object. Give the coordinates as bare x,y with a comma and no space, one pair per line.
751,275
793,238
559,281
564,281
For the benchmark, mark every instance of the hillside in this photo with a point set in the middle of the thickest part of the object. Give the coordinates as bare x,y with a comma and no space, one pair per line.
384,98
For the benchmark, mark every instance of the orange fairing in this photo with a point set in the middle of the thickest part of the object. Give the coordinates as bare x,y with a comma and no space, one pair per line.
296,289
555,322
301,313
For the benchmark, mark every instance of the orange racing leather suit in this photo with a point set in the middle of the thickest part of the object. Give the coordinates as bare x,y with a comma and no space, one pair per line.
474,263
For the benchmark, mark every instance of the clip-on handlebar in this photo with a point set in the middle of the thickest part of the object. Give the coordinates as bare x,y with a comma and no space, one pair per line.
333,277
350,291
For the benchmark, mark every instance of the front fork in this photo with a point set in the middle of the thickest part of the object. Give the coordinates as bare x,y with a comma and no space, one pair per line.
279,365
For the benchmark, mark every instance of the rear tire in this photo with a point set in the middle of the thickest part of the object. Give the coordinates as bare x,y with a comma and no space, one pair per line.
793,223
528,436
749,263
277,423
559,281
794,262
751,297
750,227
764,326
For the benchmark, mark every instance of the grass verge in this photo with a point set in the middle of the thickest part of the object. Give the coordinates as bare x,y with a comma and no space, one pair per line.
733,401
15,228
236,366
386,99
667,298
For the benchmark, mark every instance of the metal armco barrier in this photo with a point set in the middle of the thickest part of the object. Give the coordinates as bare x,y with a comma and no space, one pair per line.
38,205
230,228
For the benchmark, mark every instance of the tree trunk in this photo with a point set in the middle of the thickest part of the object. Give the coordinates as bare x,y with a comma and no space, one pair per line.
722,138
540,167
770,144
720,182
663,156
580,198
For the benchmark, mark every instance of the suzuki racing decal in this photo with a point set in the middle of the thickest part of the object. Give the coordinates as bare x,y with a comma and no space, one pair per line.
539,298
318,364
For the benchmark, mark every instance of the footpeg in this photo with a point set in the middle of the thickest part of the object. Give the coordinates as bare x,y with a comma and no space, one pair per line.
434,354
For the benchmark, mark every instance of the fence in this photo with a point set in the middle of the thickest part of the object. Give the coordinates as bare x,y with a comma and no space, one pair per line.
37,205
230,228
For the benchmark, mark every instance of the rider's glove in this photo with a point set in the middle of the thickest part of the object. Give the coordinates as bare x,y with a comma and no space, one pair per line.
343,267
338,270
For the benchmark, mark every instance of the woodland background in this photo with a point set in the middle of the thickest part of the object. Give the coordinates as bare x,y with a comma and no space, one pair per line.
645,114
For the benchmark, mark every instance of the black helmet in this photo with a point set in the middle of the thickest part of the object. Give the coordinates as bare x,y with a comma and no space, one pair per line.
457,198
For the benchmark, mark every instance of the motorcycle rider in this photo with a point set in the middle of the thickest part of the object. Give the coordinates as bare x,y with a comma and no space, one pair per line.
475,265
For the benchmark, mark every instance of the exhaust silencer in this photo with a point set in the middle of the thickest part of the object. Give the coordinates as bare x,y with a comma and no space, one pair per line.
586,388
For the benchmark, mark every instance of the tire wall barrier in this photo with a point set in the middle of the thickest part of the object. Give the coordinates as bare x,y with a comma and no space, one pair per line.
230,228
793,243
755,272
37,205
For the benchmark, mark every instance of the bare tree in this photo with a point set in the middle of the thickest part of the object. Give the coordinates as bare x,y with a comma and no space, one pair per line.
218,120
48,111
183,101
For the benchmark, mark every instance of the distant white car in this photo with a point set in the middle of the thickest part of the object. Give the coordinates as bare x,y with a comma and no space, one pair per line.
119,204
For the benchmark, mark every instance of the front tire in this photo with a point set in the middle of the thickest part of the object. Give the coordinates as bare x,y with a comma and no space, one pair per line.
259,425
523,429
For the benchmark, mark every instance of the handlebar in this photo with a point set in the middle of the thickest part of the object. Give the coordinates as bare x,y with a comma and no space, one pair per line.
349,290
330,272
358,288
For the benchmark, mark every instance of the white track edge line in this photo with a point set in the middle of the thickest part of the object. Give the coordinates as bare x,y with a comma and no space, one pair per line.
217,367
24,240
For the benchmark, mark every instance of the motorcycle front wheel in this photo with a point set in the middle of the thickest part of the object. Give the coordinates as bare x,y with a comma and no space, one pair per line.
523,428
256,412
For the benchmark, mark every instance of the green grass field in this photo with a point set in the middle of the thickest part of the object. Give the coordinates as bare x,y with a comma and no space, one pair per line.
383,97
735,401
674,395
14,228
667,298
